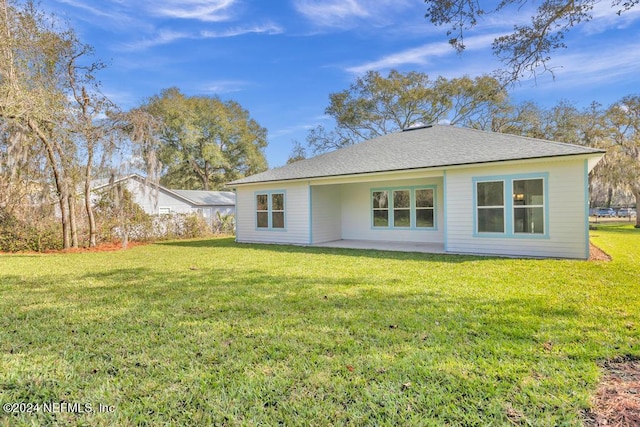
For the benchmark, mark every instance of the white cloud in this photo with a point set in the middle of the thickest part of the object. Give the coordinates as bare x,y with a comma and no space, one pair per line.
578,68
422,55
291,130
110,16
92,10
161,38
269,28
201,10
330,13
605,17
164,37
350,13
117,12
224,86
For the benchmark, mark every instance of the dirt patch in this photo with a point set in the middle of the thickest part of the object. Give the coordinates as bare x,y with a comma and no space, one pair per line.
597,254
617,400
103,247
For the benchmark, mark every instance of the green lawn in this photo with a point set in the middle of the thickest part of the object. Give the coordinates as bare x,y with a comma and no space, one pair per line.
210,332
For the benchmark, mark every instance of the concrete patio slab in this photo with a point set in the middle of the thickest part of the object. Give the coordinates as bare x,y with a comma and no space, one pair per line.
429,248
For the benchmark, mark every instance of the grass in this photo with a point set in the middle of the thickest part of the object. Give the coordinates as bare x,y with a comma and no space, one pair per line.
209,332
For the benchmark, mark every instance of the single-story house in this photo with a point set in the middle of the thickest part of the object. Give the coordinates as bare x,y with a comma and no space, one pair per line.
458,190
156,199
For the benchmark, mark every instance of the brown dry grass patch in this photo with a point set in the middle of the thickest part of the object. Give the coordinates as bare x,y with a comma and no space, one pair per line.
617,400
597,254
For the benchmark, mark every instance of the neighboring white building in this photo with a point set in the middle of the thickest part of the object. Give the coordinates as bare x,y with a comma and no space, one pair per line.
156,199
461,190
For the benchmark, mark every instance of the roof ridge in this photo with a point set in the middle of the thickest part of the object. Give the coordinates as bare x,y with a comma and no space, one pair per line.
531,138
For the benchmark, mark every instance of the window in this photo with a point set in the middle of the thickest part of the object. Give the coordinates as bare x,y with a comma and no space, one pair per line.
528,206
270,210
380,208
262,209
403,208
490,198
512,206
425,211
277,210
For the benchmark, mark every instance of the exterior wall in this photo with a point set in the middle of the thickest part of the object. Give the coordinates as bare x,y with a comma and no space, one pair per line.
566,222
152,201
296,208
357,212
326,213
211,212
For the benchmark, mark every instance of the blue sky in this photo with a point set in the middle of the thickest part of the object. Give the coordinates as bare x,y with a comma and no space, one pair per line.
281,59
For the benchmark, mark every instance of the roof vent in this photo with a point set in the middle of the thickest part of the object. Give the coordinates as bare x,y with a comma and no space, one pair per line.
417,126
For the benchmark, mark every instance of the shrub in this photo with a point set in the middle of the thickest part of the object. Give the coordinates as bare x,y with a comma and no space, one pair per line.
224,224
179,226
17,235
119,217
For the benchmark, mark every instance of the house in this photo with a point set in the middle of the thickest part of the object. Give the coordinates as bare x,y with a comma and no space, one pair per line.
155,199
451,189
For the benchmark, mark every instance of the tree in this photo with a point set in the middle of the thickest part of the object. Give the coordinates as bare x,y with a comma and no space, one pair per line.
528,48
43,70
91,132
119,213
18,164
375,105
298,152
206,142
622,161
30,95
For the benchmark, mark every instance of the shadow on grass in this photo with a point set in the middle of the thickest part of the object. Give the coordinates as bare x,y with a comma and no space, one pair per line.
369,253
124,299
134,331
617,227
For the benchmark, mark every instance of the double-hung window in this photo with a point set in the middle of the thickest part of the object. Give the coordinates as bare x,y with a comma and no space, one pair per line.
528,206
490,198
403,208
511,206
270,210
381,208
425,208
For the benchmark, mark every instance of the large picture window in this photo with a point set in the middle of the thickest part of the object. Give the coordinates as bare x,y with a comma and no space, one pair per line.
404,208
511,206
270,210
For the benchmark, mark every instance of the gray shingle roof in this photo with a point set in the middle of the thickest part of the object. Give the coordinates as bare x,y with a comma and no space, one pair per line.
193,197
426,147
208,198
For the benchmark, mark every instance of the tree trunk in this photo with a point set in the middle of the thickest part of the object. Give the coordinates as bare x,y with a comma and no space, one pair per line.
61,187
73,225
609,197
87,201
206,176
125,239
90,217
63,200
636,194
